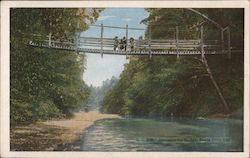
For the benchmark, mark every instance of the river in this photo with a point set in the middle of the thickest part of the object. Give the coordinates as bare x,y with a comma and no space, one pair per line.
139,134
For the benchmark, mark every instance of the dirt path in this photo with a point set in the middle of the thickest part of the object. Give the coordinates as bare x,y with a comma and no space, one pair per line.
45,136
78,123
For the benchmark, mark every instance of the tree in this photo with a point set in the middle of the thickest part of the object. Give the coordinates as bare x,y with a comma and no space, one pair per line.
46,83
97,93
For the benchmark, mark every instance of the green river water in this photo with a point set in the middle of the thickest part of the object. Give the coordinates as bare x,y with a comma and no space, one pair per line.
139,134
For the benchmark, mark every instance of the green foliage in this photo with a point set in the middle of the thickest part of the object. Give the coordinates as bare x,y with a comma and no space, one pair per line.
97,93
164,85
46,83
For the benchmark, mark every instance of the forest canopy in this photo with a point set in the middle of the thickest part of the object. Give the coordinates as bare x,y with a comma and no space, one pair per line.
46,83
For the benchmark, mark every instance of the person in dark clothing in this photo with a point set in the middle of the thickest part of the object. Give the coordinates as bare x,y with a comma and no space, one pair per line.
121,46
124,41
116,42
132,44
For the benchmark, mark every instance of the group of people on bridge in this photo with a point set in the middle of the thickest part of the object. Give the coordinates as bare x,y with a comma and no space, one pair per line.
121,44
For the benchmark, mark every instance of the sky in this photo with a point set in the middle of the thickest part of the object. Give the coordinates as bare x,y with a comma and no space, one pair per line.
99,69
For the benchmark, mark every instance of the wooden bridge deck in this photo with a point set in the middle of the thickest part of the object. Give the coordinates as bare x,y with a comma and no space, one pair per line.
120,52
61,46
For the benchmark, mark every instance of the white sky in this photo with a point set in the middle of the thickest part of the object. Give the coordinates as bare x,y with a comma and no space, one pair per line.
100,69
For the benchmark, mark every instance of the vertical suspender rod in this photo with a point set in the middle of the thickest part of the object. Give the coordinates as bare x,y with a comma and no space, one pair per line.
101,40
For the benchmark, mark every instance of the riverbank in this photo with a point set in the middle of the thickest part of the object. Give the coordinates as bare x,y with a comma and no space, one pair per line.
78,123
238,114
47,135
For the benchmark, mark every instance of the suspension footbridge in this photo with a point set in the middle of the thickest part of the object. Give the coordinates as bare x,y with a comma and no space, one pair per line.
144,46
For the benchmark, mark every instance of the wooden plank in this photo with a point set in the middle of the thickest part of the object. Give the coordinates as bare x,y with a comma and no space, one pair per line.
96,39
58,42
119,27
174,44
93,45
188,46
162,40
173,48
98,43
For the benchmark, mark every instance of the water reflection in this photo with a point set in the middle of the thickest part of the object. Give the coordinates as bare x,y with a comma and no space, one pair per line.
164,135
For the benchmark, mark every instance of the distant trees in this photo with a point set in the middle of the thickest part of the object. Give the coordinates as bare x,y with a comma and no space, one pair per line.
164,85
46,83
97,93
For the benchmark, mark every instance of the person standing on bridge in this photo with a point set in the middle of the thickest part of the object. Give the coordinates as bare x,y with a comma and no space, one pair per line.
132,44
124,42
121,46
116,43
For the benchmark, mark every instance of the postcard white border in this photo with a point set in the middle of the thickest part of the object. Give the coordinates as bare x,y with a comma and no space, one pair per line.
5,75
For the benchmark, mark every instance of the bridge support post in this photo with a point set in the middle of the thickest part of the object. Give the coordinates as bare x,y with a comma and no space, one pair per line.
149,41
223,101
102,40
204,61
126,47
177,40
202,45
228,43
50,39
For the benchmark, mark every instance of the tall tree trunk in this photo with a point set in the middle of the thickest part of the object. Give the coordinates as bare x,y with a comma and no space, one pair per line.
224,103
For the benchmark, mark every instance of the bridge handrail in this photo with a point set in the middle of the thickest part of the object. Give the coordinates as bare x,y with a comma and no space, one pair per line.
94,39
119,27
142,45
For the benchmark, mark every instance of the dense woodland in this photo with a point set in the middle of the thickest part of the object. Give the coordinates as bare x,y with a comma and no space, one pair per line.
164,85
46,83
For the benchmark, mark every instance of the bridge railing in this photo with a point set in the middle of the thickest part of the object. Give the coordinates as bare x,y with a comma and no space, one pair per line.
178,43
108,44
156,44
